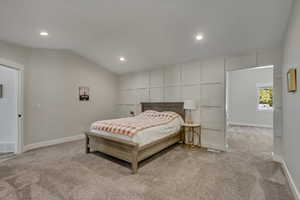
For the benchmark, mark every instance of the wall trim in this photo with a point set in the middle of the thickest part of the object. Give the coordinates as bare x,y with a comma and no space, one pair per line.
53,142
293,187
213,147
246,124
11,64
6,147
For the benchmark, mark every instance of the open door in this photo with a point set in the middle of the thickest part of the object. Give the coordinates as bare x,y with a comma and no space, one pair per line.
11,106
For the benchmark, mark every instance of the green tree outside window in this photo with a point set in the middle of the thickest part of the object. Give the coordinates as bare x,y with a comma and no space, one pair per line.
265,97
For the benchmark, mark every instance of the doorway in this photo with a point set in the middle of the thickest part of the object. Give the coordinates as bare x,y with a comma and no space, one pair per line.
11,106
249,109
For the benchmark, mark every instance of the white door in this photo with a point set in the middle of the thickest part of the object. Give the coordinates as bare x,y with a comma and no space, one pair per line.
8,109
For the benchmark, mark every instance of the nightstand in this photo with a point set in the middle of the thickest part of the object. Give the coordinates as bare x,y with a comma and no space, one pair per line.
192,134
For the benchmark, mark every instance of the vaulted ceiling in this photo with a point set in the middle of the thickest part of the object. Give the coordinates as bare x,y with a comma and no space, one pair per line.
147,33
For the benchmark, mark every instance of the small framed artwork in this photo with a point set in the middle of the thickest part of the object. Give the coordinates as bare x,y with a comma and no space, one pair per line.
84,93
292,80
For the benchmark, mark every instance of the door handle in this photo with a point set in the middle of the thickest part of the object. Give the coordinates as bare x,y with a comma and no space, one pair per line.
19,115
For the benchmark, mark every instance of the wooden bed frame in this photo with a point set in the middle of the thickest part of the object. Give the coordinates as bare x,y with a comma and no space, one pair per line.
130,151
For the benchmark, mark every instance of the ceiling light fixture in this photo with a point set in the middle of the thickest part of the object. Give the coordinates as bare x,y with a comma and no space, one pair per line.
122,59
199,37
44,33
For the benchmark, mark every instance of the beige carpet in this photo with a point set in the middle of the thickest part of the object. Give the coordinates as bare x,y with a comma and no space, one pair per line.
6,156
66,172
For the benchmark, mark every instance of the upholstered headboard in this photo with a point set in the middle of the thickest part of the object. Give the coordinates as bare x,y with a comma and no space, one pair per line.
165,106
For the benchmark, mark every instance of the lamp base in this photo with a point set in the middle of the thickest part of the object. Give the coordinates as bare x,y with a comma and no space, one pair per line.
188,119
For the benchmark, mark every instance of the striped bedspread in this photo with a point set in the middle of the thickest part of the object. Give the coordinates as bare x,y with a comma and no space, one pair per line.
131,125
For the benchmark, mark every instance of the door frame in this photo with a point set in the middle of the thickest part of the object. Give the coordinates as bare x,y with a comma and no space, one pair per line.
20,104
227,71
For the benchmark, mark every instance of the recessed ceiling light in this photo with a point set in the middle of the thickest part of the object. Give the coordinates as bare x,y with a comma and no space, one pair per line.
199,37
44,33
122,59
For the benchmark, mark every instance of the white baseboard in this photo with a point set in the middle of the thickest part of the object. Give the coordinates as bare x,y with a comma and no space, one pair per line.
216,148
6,147
53,142
213,150
287,173
246,124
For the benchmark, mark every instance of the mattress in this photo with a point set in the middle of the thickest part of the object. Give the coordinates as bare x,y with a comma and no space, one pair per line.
148,135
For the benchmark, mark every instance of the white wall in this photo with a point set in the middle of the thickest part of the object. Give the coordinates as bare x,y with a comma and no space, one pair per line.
200,81
51,79
291,106
159,85
8,109
51,95
242,97
264,57
15,53
203,81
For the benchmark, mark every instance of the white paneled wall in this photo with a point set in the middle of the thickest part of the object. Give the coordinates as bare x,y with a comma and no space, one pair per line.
242,61
191,73
263,58
202,82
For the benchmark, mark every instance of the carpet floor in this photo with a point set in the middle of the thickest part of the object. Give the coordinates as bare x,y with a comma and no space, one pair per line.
6,156
65,172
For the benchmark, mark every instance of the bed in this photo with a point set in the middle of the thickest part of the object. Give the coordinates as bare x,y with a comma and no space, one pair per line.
136,149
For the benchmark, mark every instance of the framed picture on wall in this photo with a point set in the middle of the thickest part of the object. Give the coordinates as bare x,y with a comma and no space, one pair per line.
292,80
84,93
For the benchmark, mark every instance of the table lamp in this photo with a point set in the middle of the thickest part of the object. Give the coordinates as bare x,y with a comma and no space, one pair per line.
189,105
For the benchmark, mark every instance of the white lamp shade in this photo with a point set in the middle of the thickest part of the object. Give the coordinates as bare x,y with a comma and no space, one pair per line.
189,105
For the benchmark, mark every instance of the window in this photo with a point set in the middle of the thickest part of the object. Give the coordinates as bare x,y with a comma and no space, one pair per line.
265,97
